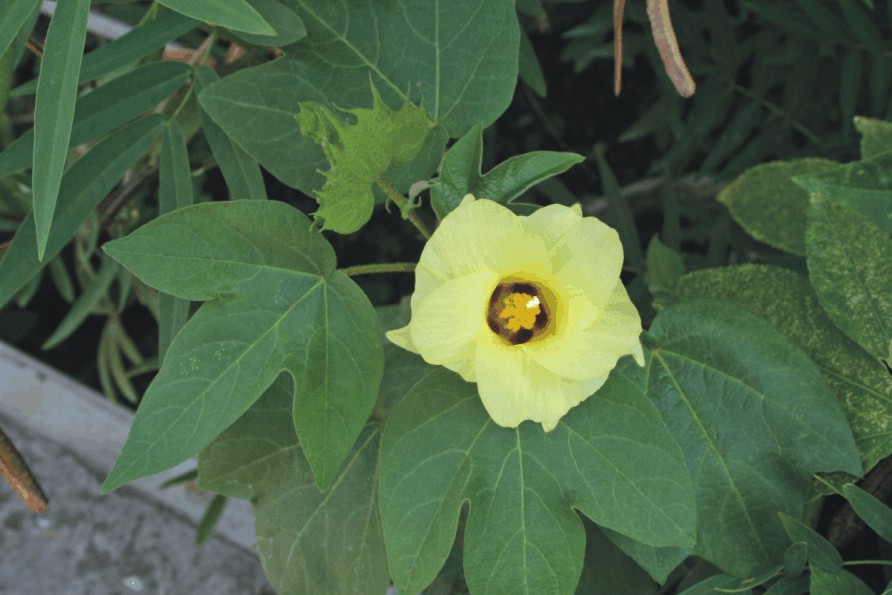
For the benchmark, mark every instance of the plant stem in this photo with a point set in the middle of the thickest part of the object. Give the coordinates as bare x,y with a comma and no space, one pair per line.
401,201
371,269
867,562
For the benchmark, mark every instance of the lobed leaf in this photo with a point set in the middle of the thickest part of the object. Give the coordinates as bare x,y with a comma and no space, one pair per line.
274,303
786,300
610,458
359,152
722,379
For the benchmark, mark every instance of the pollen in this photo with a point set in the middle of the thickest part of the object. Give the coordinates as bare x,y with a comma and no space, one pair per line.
520,311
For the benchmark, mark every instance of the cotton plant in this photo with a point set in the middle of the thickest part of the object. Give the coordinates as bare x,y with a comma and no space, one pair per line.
517,422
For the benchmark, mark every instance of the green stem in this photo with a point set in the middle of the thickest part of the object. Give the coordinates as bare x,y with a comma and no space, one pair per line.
868,562
372,269
401,201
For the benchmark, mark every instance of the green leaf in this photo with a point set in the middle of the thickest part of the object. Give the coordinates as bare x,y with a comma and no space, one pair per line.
876,136
789,586
825,582
850,269
54,109
84,186
208,521
608,571
794,559
237,15
84,304
289,27
6,72
769,205
865,186
460,173
359,153
174,192
309,541
274,303
477,39
664,266
13,16
240,170
721,379
786,300
819,551
850,85
610,458
133,46
106,108
874,513
658,562
529,68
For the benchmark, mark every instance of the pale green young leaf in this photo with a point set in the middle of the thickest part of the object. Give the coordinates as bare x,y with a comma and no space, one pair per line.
54,110
13,16
865,186
106,108
83,306
876,136
786,300
84,186
874,513
819,551
477,39
289,27
274,303
174,192
850,269
133,46
359,152
237,15
769,205
836,582
240,170
460,173
708,359
610,458
309,541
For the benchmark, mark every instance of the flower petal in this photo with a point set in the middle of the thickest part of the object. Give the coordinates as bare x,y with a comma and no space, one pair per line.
480,235
580,354
446,323
401,338
514,388
586,254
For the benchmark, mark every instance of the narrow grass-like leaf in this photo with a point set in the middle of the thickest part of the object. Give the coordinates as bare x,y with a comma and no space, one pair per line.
84,304
877,515
274,303
133,46
620,213
106,108
84,185
61,279
240,171
849,86
850,269
174,192
209,520
54,109
530,69
13,15
237,15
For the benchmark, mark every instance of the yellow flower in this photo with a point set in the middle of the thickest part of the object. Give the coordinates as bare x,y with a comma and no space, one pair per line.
529,308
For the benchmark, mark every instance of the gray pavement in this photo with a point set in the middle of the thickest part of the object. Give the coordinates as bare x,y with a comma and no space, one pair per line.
135,540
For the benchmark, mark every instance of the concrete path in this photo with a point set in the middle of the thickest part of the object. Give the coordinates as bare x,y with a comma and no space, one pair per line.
135,540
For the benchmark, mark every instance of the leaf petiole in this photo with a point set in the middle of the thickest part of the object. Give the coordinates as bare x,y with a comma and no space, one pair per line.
371,269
